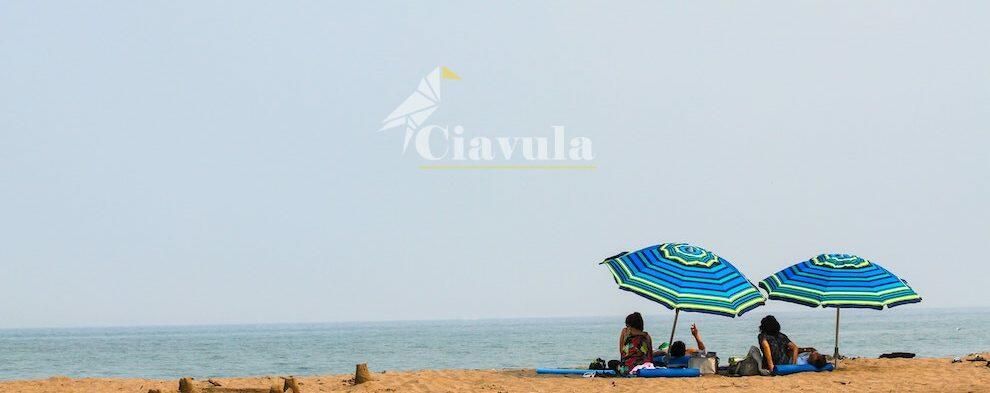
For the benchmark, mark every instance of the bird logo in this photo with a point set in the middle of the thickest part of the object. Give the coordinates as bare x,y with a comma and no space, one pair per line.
412,112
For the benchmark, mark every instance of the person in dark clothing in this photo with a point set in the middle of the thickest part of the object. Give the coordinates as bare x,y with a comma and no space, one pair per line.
777,348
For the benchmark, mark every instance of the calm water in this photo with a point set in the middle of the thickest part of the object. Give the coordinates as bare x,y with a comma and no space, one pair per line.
216,351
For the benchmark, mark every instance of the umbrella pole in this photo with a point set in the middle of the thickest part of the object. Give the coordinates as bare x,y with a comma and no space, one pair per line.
677,313
835,356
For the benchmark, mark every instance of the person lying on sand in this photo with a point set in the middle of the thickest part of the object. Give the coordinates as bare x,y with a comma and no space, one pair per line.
779,349
810,356
679,349
635,345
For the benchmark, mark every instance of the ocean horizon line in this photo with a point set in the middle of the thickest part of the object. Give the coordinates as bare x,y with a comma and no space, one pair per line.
651,315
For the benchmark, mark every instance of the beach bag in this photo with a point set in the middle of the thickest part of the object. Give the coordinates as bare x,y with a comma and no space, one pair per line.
746,367
598,364
707,365
750,365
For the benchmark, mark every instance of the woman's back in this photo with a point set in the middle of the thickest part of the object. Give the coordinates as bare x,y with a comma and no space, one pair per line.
636,349
778,347
635,345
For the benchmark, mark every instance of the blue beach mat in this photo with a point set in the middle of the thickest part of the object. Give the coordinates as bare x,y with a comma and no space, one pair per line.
570,371
669,373
645,373
679,362
785,369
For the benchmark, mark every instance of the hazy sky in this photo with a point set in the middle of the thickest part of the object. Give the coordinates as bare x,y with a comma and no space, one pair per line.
217,162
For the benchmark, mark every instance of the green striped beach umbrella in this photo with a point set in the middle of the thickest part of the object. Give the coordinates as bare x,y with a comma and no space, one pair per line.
685,277
839,281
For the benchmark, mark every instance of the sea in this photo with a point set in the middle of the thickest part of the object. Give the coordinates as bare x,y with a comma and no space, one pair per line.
170,352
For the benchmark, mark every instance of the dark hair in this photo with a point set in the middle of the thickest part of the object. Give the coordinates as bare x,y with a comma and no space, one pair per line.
635,321
820,361
769,325
677,349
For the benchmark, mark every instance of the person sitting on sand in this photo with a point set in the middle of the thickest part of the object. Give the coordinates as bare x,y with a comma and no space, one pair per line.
679,349
635,345
778,349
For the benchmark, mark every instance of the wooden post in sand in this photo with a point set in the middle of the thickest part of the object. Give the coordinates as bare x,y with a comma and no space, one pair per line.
186,385
361,374
291,385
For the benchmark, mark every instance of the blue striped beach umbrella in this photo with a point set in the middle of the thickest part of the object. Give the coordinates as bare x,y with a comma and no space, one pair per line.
839,281
685,277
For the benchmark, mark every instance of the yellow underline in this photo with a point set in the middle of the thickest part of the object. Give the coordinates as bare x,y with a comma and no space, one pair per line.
509,167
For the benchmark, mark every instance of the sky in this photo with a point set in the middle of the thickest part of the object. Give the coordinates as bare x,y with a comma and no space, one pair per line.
170,163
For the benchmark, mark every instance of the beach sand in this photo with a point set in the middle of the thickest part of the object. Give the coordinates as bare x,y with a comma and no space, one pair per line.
855,375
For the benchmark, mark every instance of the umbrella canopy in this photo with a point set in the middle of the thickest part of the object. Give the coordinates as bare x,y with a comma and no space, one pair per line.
685,277
840,281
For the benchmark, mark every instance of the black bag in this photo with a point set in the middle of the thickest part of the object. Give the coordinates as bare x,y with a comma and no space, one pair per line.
598,364
894,355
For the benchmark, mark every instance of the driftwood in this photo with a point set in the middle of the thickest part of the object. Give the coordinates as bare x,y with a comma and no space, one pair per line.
361,374
214,389
186,385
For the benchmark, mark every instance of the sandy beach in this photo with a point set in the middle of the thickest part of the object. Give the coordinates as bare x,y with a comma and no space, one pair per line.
855,375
